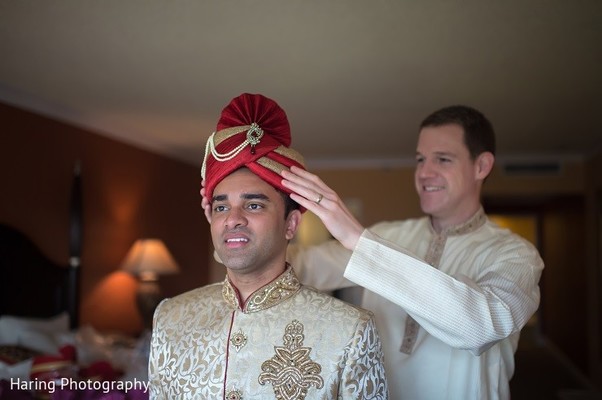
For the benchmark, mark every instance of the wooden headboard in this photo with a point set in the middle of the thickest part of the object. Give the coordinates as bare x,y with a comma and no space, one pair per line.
32,285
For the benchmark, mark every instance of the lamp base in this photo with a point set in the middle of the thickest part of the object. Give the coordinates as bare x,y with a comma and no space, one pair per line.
148,297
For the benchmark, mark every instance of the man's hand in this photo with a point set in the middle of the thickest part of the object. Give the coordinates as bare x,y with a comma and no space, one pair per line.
313,194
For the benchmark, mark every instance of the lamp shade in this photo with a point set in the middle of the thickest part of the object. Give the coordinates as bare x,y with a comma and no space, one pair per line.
149,258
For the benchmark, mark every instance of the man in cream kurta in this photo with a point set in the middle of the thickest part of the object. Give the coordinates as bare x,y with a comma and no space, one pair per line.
450,291
287,342
453,355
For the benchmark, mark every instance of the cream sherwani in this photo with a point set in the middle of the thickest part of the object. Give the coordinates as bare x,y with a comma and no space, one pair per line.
287,342
449,306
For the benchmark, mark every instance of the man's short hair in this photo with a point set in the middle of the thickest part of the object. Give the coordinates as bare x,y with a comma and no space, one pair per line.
289,204
479,136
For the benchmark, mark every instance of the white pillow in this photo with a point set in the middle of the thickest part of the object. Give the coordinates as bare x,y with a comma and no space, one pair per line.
19,370
35,333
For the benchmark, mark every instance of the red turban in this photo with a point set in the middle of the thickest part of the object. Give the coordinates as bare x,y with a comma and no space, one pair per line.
252,132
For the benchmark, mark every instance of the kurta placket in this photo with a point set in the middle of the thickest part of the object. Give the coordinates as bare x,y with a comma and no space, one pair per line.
433,258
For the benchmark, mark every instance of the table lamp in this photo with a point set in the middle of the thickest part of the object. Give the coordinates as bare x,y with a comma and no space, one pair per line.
147,259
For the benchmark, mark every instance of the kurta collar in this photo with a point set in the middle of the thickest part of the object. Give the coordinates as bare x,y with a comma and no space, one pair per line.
275,292
472,224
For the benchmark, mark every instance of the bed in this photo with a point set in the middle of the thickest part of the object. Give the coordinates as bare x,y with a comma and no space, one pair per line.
44,352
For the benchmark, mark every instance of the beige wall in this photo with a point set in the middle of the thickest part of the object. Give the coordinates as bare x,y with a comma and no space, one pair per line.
382,194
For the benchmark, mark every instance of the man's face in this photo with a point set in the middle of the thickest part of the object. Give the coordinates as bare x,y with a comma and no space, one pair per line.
248,227
448,182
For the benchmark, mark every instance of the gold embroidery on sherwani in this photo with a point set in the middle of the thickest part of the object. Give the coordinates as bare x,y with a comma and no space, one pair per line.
291,371
234,395
269,295
238,340
433,258
229,294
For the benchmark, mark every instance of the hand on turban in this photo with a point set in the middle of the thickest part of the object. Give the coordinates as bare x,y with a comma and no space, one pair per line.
252,132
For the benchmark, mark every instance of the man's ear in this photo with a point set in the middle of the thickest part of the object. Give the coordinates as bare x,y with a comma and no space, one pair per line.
484,165
292,224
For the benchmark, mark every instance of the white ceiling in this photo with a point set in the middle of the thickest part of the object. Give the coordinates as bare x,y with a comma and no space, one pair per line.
356,77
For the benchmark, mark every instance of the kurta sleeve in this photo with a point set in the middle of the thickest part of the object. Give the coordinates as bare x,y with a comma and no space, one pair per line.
466,313
320,266
363,376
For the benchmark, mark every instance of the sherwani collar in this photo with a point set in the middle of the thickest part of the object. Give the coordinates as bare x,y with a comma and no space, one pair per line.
275,292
